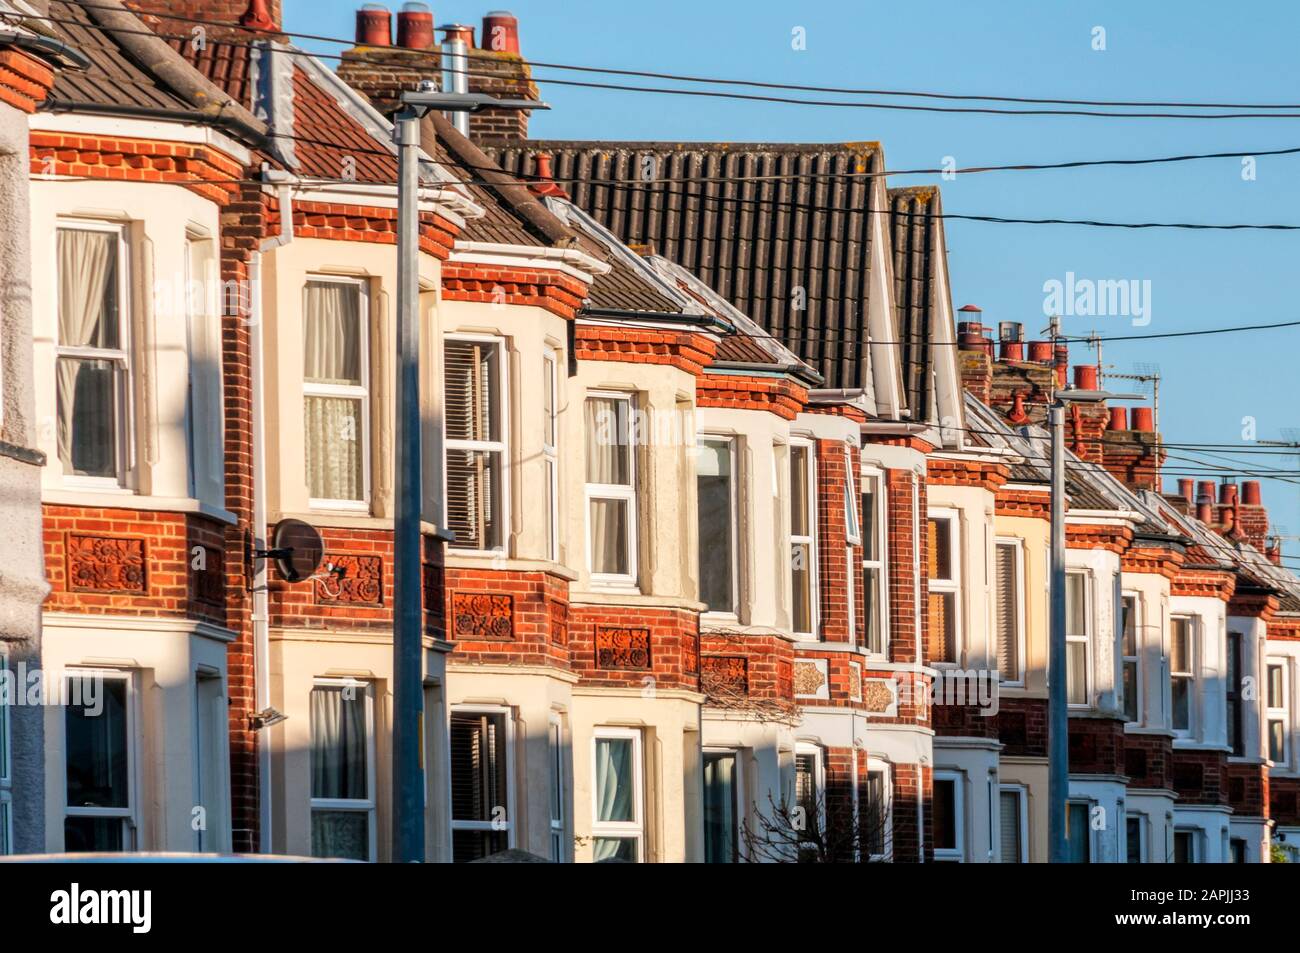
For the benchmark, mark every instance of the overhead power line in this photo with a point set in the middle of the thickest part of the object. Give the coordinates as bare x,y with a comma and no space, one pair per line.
755,84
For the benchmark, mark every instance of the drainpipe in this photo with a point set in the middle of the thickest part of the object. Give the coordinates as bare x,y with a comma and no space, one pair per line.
284,183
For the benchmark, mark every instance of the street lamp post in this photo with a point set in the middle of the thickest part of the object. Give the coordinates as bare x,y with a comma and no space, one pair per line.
1058,722
408,670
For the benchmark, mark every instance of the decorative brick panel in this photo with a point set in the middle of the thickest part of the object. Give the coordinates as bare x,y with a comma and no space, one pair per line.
105,564
726,672
362,582
622,648
477,615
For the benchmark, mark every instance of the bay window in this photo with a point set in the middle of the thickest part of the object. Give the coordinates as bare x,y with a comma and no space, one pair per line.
1130,658
722,806
853,536
1276,713
803,553
716,495
481,819
93,378
336,395
550,452
809,807
611,489
1078,626
945,587
1012,825
949,817
555,746
618,802
474,396
1009,608
879,813
875,603
342,770
100,763
1181,674
1236,739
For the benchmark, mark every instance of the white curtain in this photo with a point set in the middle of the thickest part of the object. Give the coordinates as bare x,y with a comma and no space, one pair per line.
88,317
614,789
332,356
332,333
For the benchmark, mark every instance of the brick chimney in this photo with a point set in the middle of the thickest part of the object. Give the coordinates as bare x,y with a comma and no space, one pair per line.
1131,449
974,354
383,71
1001,374
1252,516
1085,424
255,15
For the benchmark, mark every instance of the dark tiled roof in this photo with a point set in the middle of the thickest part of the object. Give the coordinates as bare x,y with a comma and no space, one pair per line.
914,228
754,240
623,289
114,78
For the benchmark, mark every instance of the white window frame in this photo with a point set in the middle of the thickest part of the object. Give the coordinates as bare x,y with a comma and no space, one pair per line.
1089,805
121,355
500,446
852,521
809,539
559,841
210,838
1196,835
883,768
206,429
881,562
612,491
1021,794
1273,713
1139,608
1017,546
816,752
1189,674
1144,836
357,805
953,583
1084,637
737,755
359,392
550,450
958,780
129,815
734,491
622,830
507,761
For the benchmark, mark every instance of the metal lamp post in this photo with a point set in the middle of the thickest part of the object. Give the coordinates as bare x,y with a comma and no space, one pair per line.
408,672
1058,723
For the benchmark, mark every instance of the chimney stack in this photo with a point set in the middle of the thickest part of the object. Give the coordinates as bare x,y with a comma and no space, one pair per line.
974,354
1252,516
254,15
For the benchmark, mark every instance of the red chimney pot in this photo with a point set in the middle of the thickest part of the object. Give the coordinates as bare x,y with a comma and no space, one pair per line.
543,183
1144,419
1205,510
258,17
1013,351
374,26
415,27
1228,493
1085,376
1250,494
1187,490
1118,419
1040,352
501,32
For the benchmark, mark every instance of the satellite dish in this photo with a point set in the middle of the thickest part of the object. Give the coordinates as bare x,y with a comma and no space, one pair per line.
297,549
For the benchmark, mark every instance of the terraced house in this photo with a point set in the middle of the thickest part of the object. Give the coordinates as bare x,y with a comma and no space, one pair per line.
735,543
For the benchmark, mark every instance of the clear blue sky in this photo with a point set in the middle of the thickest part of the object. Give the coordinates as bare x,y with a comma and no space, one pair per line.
1193,51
